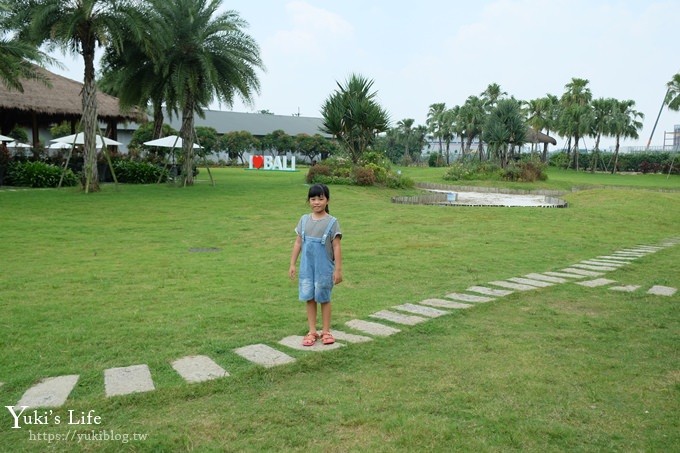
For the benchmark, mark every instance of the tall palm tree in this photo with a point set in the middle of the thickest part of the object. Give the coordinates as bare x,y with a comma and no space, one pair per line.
491,95
601,124
434,123
204,56
472,117
353,115
625,123
505,129
79,27
576,112
672,99
405,126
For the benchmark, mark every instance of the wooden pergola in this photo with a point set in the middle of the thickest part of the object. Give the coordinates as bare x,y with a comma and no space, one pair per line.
53,100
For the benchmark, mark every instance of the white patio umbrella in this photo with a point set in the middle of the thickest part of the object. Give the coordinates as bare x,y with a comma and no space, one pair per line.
171,141
16,144
79,139
4,138
60,145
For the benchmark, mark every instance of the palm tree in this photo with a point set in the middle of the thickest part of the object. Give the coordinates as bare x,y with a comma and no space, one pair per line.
576,112
624,124
353,115
472,117
601,124
79,28
505,129
672,99
405,126
434,123
17,57
203,56
491,95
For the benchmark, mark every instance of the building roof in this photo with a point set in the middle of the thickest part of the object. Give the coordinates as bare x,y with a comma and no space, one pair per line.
258,124
58,100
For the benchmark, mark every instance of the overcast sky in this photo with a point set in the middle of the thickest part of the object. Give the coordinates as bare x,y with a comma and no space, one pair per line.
420,53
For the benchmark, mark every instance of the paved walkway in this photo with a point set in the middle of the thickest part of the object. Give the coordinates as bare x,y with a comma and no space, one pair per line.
54,391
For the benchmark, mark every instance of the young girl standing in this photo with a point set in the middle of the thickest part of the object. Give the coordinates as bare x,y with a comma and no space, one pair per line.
318,244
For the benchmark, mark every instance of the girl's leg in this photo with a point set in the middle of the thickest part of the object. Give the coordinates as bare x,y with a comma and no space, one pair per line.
311,315
326,317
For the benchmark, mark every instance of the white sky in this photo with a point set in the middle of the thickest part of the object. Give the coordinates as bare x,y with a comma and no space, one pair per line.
420,53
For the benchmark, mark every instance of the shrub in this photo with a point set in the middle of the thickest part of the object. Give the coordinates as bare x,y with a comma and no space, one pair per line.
38,174
133,172
317,171
435,160
462,170
525,171
364,176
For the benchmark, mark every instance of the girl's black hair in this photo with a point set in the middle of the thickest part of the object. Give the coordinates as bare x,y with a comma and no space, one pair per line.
317,190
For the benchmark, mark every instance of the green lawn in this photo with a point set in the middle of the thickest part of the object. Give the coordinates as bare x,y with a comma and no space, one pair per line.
91,282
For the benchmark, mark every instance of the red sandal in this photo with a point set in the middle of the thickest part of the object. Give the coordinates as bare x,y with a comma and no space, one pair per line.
310,339
327,338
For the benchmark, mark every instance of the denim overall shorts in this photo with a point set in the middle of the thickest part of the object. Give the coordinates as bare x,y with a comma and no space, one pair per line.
316,268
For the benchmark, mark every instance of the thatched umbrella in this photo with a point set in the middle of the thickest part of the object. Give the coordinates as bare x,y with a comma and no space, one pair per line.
56,100
534,136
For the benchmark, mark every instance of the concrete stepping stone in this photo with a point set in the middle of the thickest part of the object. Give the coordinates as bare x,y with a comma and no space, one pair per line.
625,259
421,310
126,380
625,288
659,290
564,274
198,368
399,318
441,303
594,268
489,292
602,263
584,272
469,298
528,281
546,278
49,392
511,285
630,254
350,337
295,342
372,328
264,355
596,282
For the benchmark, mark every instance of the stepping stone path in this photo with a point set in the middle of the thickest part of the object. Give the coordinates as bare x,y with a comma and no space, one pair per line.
54,391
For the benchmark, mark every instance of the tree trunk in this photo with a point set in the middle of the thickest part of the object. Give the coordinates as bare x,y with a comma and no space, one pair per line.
89,121
187,134
596,153
157,120
616,155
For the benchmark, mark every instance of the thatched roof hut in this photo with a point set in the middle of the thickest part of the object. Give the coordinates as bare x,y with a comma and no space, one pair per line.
534,136
42,105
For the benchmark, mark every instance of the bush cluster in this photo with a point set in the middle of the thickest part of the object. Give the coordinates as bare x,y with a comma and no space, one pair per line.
466,170
373,170
647,162
134,172
38,174
525,171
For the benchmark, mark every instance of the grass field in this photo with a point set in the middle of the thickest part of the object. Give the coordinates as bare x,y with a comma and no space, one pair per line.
91,282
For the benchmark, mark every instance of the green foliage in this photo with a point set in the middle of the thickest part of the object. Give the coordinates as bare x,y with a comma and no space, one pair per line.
525,171
435,160
645,162
468,170
38,174
341,171
133,172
